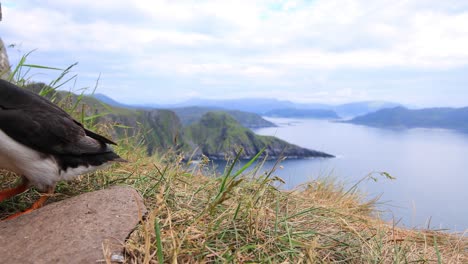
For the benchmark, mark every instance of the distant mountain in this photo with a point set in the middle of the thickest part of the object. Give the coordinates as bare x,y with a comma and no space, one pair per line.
107,100
361,108
253,105
190,115
302,113
220,136
261,106
400,117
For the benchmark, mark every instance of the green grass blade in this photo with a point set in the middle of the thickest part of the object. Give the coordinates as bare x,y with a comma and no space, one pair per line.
41,67
248,164
436,247
157,229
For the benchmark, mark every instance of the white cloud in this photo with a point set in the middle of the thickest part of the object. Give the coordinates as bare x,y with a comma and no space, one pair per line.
365,35
246,42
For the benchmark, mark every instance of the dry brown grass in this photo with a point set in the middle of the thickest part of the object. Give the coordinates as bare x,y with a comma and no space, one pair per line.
251,221
194,218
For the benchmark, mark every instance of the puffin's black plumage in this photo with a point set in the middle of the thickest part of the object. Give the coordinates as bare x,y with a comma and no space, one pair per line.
41,125
42,143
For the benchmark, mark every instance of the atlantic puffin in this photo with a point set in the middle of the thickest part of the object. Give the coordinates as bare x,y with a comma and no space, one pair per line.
44,144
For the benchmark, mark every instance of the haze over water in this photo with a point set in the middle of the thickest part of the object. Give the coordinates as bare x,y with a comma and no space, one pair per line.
430,166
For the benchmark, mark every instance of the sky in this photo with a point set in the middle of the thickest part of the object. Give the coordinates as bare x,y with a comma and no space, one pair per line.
319,51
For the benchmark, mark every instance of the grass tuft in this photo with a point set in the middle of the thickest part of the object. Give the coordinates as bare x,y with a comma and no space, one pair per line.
195,218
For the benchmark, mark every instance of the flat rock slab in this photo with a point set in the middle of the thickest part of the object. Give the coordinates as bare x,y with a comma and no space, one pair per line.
84,229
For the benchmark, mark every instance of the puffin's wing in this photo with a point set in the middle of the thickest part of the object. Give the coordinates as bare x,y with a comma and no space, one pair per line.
51,133
39,124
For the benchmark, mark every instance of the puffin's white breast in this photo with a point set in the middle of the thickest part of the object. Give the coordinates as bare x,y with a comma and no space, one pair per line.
40,169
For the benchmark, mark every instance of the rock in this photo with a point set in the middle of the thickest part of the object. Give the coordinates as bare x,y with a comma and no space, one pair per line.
4,62
75,230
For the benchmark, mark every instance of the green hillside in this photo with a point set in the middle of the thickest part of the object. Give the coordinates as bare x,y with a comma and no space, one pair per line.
157,130
217,135
190,115
220,136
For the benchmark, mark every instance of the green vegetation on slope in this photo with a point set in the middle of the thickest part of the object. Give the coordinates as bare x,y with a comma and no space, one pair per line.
158,130
216,135
220,136
190,115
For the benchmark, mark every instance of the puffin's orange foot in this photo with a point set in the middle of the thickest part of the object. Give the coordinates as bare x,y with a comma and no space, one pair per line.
37,204
5,194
